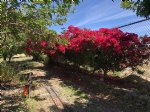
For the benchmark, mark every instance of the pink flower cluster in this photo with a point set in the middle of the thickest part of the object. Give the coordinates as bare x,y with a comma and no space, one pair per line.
104,39
146,40
83,39
43,46
110,48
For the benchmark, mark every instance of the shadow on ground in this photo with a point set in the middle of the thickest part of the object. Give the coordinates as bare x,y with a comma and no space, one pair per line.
130,94
11,99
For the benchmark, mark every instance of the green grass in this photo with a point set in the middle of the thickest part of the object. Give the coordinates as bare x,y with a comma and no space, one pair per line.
74,91
8,73
31,105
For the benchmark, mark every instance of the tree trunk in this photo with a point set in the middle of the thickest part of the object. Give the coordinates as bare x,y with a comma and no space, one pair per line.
4,58
105,74
35,58
9,58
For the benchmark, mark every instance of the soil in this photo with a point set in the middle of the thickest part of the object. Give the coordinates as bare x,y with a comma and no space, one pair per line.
80,92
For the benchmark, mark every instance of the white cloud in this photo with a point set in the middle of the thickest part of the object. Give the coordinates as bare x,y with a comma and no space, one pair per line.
103,9
119,15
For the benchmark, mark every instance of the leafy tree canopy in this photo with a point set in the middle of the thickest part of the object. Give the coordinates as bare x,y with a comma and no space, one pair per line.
31,18
141,7
33,14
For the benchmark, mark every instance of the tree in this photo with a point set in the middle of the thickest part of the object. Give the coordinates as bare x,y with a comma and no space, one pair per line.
141,7
104,49
30,18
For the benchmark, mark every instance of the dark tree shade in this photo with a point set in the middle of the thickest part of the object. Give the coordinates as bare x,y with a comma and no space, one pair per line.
141,7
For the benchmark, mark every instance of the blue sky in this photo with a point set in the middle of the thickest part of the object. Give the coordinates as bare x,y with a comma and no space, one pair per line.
95,14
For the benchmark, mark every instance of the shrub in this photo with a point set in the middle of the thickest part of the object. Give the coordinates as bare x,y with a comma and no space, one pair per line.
104,49
7,72
37,56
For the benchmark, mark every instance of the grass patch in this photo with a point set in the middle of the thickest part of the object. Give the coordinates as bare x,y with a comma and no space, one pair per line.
73,90
8,73
31,105
140,71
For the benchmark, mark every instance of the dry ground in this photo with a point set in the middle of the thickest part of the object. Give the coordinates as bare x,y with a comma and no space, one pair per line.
79,92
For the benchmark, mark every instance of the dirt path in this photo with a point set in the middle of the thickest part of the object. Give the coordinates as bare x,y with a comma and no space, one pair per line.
86,94
79,92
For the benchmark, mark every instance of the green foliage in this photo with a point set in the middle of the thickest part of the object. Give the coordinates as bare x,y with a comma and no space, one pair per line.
7,72
140,71
30,105
38,56
141,7
9,50
30,19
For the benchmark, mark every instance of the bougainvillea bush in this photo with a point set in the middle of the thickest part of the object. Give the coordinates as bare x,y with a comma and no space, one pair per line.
50,45
145,40
104,49
145,46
